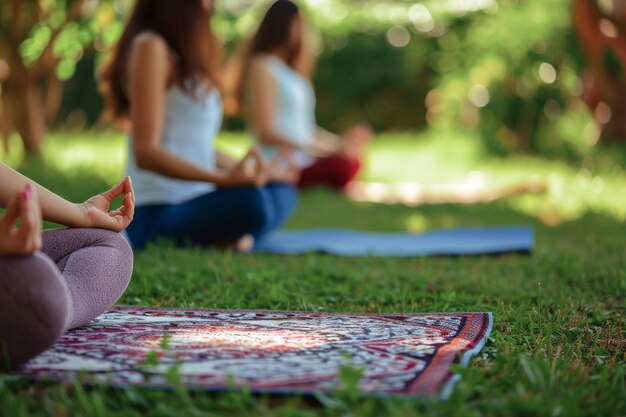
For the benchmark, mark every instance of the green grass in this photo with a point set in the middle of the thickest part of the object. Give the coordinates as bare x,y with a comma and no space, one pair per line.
559,341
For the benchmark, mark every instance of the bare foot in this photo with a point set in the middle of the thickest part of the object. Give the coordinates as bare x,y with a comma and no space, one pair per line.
245,244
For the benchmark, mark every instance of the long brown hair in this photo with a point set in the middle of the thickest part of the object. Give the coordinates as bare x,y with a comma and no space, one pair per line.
273,33
274,30
185,26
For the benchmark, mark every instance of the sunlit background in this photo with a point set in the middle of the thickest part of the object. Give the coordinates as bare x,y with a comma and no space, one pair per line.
487,92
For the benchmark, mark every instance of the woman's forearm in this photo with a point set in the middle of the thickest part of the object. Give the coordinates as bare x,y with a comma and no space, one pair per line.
270,138
53,208
320,147
325,144
329,139
160,161
320,150
316,148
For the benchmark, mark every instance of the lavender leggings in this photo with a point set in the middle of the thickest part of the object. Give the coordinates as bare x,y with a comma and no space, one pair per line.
77,276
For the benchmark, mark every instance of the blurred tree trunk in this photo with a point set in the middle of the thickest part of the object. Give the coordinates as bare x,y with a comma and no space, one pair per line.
22,95
604,80
31,96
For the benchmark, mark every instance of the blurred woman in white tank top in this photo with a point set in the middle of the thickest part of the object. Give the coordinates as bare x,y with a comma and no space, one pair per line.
278,99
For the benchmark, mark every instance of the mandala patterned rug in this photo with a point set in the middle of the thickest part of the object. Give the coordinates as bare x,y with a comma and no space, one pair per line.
270,352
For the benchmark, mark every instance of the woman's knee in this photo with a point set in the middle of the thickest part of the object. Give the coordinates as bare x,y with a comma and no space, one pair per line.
116,255
285,198
118,249
118,243
97,274
255,211
35,308
120,259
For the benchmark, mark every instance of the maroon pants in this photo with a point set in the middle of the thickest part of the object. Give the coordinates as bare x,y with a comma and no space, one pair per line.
335,172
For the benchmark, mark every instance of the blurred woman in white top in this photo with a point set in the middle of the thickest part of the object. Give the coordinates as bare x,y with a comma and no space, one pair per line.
277,96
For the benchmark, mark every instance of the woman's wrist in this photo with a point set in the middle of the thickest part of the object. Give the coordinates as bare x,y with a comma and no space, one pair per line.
67,214
80,217
218,177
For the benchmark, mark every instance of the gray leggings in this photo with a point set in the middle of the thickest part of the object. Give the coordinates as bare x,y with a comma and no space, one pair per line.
78,275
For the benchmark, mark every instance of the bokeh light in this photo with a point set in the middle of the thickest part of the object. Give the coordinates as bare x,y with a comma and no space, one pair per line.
478,95
547,73
398,36
421,18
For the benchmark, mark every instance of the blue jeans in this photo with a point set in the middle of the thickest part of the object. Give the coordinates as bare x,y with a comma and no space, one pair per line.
224,215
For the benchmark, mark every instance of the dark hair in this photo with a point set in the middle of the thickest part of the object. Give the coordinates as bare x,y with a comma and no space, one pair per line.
185,26
273,33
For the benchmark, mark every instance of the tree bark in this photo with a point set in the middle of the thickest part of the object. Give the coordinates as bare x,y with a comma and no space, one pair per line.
599,82
6,124
31,97
22,95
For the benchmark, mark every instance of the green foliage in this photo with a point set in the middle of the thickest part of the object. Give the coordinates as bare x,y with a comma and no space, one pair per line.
69,28
32,48
612,63
526,59
82,104
361,78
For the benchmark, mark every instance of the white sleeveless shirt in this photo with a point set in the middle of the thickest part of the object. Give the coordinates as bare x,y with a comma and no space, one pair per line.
295,111
190,126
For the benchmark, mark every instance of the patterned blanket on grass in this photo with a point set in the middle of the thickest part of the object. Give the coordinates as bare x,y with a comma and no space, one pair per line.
275,352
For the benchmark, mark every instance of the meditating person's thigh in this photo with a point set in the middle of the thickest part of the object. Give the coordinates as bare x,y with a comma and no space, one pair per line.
96,265
221,216
284,199
335,172
35,307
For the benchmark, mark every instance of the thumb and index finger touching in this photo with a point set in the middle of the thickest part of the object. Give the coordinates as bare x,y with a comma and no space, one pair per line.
124,187
23,206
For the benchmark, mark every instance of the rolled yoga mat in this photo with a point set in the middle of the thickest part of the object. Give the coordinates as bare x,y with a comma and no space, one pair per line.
344,242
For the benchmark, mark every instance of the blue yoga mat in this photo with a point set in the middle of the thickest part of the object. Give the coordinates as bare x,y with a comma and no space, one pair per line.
343,242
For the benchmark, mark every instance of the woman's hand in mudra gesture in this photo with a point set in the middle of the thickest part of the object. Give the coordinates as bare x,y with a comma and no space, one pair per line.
97,212
250,171
25,239
283,168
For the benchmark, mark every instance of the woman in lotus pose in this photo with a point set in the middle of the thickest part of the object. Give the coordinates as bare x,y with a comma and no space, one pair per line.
163,78
59,279
275,90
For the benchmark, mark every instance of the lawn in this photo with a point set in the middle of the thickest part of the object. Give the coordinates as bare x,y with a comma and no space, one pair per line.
559,342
